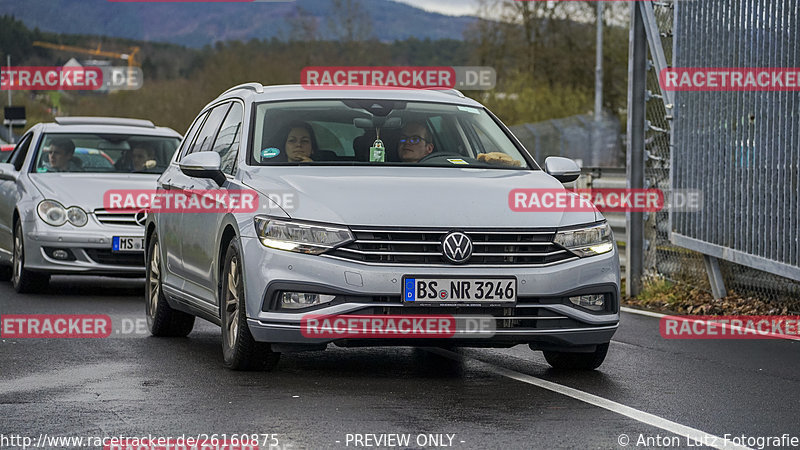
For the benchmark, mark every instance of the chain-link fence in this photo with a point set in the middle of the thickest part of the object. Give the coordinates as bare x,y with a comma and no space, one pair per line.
574,137
4,135
703,28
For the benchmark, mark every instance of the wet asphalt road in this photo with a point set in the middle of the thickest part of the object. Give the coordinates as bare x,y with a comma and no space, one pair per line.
132,385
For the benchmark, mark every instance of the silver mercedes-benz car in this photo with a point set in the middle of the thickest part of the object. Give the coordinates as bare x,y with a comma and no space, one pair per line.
53,215
376,210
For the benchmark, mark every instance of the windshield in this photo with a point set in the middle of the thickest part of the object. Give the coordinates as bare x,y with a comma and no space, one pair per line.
381,132
88,152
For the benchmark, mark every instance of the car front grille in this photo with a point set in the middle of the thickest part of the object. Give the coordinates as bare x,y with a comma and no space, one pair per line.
504,317
105,256
424,246
108,218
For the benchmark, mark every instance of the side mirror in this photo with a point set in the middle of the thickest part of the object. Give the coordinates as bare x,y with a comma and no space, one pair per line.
8,172
203,165
564,170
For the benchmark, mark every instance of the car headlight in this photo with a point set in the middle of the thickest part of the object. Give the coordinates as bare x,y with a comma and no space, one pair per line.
53,213
77,216
590,241
300,237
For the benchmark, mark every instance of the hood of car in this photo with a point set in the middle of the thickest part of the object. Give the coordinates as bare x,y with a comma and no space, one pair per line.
410,197
87,190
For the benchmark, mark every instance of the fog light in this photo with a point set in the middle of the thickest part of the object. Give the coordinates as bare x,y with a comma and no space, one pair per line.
594,302
60,254
297,300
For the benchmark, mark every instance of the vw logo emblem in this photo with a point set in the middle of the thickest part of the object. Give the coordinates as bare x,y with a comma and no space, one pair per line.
141,217
457,247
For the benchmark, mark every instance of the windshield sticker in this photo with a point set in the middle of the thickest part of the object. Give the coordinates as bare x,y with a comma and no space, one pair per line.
270,152
458,161
468,109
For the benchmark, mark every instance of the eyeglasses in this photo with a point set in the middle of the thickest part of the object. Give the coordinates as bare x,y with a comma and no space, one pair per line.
413,140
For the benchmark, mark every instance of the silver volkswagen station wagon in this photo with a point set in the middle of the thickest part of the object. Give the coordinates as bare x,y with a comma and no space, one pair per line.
53,216
380,217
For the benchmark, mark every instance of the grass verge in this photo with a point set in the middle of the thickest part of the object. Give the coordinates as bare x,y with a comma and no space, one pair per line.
667,297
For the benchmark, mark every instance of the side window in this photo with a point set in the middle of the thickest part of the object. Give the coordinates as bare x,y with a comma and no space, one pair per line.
18,155
206,135
189,136
227,142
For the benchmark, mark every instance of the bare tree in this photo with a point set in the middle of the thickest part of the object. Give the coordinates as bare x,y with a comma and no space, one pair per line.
519,35
349,21
486,35
303,26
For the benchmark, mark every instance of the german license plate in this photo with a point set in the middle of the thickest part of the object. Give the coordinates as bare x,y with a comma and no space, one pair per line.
482,291
124,244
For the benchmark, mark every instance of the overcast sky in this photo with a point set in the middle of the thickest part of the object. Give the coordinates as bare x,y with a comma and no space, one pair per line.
449,7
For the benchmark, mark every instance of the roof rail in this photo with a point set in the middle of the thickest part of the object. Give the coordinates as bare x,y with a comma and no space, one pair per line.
455,92
257,87
119,121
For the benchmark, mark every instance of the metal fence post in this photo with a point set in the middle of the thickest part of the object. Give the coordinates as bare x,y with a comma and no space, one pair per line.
637,76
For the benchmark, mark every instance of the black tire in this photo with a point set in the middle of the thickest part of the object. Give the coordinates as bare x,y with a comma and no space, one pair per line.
162,319
23,280
5,273
239,350
577,361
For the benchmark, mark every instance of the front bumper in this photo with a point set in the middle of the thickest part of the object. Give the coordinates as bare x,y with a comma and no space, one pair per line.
542,316
89,248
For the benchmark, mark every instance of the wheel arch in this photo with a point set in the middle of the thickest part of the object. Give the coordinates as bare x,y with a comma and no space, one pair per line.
229,233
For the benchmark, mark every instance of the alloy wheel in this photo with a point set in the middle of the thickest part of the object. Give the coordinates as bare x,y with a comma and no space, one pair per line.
232,302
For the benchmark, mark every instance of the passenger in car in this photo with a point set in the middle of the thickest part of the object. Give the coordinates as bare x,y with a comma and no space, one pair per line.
415,142
143,158
61,158
300,143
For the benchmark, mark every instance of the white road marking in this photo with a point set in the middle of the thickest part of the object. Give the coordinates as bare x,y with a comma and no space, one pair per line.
641,312
698,436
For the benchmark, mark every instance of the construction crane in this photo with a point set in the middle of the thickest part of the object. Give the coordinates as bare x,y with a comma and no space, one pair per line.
130,57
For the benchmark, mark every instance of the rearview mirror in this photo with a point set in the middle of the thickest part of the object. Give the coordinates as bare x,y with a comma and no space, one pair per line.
564,170
378,122
8,172
203,165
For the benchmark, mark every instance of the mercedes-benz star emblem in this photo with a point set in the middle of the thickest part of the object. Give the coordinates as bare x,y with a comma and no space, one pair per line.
457,247
140,217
